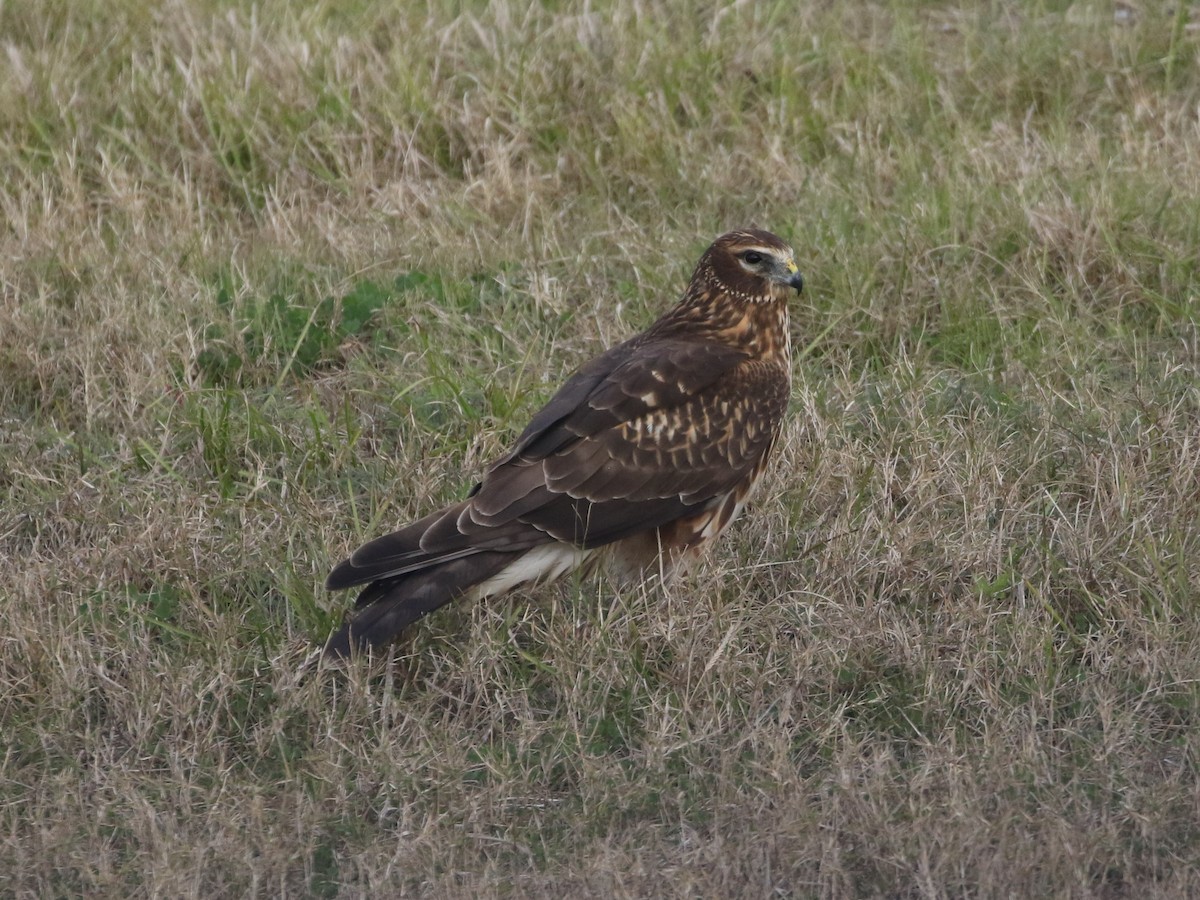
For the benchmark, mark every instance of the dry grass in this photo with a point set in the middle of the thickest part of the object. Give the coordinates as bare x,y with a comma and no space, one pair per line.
276,277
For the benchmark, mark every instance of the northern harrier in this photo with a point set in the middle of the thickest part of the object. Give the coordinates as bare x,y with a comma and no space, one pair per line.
646,454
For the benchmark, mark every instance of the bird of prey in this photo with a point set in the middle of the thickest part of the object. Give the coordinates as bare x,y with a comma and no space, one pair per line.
645,455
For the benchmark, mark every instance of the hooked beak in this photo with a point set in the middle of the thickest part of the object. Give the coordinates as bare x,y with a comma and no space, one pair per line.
794,279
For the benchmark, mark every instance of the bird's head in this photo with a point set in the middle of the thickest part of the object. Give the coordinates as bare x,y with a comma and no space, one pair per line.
739,294
751,265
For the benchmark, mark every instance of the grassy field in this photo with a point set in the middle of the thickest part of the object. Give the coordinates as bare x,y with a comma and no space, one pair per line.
277,277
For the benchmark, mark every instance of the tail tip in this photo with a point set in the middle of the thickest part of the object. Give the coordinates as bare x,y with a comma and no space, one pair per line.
339,645
349,643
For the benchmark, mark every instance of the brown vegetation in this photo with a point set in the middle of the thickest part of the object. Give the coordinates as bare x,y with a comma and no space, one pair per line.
277,277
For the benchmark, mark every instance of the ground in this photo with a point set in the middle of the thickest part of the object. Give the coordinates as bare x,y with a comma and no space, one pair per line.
277,277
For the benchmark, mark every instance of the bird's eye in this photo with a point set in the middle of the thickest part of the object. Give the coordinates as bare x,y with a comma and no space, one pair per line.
752,257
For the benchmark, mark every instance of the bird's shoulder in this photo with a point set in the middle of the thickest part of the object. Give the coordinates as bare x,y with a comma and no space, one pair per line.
630,380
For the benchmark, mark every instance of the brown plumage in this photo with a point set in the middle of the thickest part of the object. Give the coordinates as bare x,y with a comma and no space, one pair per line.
646,454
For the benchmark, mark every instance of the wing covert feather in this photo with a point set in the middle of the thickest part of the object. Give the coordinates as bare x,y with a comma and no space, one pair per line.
643,472
620,385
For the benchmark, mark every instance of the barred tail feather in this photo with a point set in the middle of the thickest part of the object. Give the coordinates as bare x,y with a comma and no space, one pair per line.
386,607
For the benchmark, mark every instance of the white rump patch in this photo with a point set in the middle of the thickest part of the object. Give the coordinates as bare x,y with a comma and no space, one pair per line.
539,565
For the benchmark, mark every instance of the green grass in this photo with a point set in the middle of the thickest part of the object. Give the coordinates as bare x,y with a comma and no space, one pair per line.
278,278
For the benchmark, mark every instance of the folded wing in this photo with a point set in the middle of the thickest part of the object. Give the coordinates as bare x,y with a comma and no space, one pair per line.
644,434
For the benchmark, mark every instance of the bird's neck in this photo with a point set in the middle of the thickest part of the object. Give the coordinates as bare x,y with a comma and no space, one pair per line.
759,327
